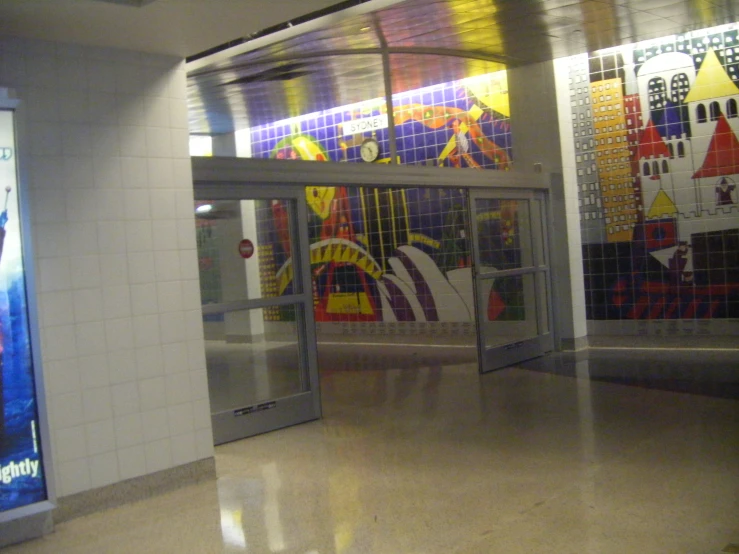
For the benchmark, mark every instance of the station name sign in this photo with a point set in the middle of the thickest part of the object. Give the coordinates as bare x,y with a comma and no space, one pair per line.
365,124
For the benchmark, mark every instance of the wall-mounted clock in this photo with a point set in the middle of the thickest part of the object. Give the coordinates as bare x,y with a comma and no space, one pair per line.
370,150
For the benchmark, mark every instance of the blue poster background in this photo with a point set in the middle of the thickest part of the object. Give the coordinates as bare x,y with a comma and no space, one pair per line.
22,480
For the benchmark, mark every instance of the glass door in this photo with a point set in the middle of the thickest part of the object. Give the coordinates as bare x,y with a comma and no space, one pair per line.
511,276
257,305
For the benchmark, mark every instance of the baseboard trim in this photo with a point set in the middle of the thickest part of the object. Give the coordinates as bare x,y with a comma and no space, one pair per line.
578,343
132,490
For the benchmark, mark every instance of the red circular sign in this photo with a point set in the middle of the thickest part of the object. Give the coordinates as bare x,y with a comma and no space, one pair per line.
246,249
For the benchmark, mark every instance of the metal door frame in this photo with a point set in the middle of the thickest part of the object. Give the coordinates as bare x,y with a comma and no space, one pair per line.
518,350
274,413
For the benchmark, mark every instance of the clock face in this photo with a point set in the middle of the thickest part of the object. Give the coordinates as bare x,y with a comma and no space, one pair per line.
369,150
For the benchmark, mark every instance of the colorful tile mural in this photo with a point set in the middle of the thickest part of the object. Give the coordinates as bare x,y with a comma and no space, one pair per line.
393,255
657,157
464,123
377,255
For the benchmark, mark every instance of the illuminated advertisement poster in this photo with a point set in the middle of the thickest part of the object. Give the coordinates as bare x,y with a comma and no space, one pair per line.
22,480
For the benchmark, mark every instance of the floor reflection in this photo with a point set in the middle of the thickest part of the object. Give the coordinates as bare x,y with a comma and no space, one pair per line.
417,453
695,371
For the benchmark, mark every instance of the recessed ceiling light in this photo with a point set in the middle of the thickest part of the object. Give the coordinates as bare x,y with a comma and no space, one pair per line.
204,209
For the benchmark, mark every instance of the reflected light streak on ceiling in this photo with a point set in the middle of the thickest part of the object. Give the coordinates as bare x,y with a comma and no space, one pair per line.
337,59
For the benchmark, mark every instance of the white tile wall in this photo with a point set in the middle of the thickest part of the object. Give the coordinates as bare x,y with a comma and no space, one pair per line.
105,138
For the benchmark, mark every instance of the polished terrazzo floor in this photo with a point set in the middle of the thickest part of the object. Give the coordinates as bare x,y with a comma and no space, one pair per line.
418,454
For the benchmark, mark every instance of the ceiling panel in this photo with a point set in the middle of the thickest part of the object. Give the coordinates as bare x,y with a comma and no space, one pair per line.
430,41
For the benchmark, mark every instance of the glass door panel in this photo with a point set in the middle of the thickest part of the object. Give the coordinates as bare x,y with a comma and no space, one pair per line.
511,277
257,316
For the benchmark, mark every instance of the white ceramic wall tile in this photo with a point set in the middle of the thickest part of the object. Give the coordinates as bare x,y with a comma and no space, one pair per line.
172,327
164,233
156,424
44,175
185,206
167,264
100,77
155,82
134,171
44,139
107,172
103,108
129,430
178,116
128,78
111,239
196,354
161,173
103,469
49,206
122,366
62,376
136,204
180,143
56,308
194,324
74,477
111,181
199,384
125,398
175,359
138,236
81,205
177,387
141,268
131,462
54,274
146,330
113,267
156,110
60,342
163,204
189,264
159,142
88,305
119,334
116,301
181,419
149,362
76,139
133,140
182,174
83,238
184,449
105,140
169,296
158,455
201,413
66,410
85,271
100,437
70,444
97,404
90,338
204,442
42,107
144,299
110,205
191,295
94,371
186,233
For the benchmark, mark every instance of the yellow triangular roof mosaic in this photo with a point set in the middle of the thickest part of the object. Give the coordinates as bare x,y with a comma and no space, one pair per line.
662,206
711,81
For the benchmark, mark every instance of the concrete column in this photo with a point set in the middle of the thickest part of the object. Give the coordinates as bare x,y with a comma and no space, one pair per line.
538,148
